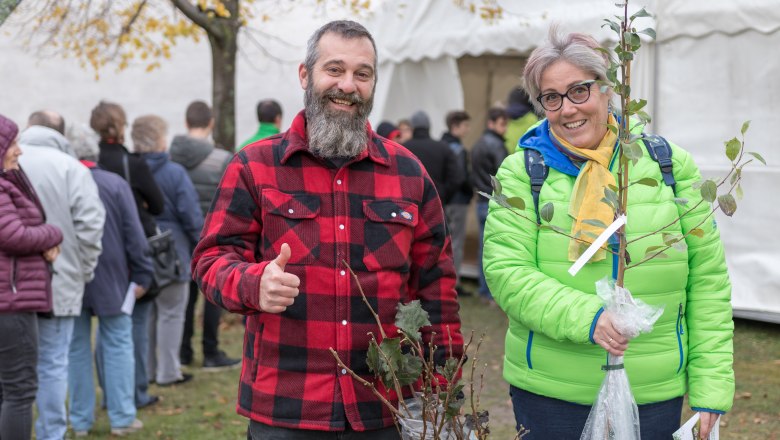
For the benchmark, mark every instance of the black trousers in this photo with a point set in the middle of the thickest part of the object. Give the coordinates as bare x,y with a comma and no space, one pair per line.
260,431
211,315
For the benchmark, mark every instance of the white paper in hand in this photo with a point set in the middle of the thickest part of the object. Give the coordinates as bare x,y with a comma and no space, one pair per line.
129,303
688,431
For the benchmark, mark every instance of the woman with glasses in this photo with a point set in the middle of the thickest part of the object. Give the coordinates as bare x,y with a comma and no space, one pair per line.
559,335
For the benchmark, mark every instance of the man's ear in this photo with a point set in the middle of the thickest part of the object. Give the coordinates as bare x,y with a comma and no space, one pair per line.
303,76
211,125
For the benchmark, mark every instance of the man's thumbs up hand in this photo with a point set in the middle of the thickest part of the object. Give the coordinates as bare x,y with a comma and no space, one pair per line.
278,288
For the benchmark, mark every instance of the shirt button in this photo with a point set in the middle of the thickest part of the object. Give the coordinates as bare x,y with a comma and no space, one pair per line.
343,371
341,227
290,210
343,272
338,182
392,214
344,322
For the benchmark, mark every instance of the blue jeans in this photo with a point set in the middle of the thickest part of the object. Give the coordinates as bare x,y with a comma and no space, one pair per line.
114,356
482,213
549,418
18,379
141,313
54,335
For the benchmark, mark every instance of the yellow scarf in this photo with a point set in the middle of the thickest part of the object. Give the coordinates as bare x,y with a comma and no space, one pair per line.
588,191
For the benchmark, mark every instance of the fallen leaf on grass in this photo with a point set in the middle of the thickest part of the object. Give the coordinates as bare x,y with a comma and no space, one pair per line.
743,395
759,421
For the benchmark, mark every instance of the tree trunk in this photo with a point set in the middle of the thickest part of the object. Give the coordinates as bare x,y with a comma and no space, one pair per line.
223,77
6,7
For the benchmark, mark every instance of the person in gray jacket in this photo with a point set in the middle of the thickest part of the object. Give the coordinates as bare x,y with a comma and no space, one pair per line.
205,165
71,202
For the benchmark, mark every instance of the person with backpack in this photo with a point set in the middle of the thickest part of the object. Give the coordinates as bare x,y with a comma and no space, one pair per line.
559,335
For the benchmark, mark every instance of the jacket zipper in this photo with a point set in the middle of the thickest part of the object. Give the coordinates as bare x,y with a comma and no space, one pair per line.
528,349
13,275
680,331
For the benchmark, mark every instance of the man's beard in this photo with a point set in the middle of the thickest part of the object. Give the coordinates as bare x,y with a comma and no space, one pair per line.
336,133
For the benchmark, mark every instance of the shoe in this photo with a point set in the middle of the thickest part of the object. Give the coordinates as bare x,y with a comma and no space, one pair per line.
184,379
187,361
220,362
152,400
462,292
126,430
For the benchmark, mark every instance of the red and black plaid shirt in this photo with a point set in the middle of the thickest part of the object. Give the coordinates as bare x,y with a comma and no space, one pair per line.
379,212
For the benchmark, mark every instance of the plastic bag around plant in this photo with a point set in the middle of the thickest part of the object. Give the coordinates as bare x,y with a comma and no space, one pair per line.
413,426
614,415
689,430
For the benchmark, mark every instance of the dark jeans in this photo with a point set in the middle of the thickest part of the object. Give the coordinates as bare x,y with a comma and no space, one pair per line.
211,314
260,431
549,418
18,376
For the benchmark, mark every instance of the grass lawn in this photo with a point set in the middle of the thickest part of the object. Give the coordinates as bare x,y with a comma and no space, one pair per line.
205,407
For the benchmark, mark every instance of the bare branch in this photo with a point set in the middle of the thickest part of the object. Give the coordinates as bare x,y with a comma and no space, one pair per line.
196,16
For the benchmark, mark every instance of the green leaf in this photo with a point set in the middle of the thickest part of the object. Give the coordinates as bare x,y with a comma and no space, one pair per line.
373,358
647,181
612,128
644,117
740,193
640,13
547,212
449,370
496,185
736,175
633,151
732,148
409,369
385,359
595,222
410,318
454,404
610,198
636,105
516,202
592,235
612,25
661,255
634,40
709,190
757,156
485,195
652,249
745,127
670,239
727,204
501,200
650,32
681,201
697,184
697,232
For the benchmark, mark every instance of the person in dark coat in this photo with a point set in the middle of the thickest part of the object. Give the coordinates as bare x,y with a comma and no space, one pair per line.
27,247
436,157
205,165
182,216
109,121
124,272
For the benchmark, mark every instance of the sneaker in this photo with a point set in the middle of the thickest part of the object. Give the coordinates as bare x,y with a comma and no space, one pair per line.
220,362
184,379
152,400
126,430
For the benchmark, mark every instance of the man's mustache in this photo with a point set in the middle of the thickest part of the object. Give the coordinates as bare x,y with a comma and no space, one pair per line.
352,98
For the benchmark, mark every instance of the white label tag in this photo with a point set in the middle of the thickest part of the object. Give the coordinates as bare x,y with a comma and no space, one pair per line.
600,240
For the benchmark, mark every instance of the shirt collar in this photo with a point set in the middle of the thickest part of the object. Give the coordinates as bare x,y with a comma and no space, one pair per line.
295,140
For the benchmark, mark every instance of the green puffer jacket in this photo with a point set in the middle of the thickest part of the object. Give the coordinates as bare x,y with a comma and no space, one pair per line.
551,314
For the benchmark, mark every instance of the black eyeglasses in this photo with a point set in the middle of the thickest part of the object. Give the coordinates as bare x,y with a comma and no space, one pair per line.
577,94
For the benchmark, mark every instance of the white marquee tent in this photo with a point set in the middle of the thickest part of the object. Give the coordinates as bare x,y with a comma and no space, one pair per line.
714,65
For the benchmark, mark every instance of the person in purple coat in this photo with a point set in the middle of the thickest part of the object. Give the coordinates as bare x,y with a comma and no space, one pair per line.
27,247
123,273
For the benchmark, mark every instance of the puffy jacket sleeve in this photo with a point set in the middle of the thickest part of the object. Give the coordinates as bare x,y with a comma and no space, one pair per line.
16,238
526,294
89,216
708,312
225,263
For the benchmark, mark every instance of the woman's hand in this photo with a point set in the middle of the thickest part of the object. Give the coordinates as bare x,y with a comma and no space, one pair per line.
606,336
51,254
707,421
139,291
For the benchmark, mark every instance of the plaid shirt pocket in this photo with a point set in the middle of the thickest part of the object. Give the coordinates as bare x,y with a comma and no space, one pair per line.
389,233
291,219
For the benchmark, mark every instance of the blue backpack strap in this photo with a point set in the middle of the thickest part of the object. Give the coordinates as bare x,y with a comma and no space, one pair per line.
537,171
660,151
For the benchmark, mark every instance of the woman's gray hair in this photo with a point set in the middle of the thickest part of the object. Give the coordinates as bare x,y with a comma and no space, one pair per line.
147,132
576,48
84,141
343,28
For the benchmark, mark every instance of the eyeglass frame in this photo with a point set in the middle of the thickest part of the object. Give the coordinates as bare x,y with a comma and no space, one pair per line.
588,82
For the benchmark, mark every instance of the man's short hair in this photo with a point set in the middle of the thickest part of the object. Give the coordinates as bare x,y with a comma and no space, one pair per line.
496,113
268,110
343,28
108,120
47,118
146,133
456,117
198,115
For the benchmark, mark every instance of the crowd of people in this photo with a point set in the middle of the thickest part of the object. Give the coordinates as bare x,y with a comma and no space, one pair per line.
303,227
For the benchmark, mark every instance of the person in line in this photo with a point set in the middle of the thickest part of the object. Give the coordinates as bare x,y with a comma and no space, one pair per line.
437,158
521,117
387,130
556,321
28,246
404,131
294,214
486,156
458,126
109,121
70,200
269,115
183,217
125,260
205,165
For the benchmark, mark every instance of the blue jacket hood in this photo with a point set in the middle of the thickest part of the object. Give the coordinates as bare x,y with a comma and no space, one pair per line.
538,138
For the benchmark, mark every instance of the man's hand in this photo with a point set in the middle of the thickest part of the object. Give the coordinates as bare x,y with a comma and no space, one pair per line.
707,421
278,288
139,291
609,338
51,254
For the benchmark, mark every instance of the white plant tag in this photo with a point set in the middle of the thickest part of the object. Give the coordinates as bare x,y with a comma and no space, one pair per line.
600,240
688,431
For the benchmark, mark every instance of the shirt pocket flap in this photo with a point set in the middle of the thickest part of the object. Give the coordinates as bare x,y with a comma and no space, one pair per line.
391,211
290,205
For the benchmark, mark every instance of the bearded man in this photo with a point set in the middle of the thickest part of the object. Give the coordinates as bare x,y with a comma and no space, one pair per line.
293,215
